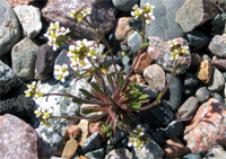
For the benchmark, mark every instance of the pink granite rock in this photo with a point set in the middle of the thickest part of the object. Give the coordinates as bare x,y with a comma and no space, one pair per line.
207,128
14,3
18,140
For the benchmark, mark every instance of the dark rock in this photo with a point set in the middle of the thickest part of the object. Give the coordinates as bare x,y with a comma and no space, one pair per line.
190,80
216,96
218,24
92,142
124,5
174,129
197,39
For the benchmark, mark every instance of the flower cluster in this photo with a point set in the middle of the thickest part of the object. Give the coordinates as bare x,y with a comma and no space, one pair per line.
137,137
33,91
80,15
43,114
61,72
56,35
82,54
177,50
146,12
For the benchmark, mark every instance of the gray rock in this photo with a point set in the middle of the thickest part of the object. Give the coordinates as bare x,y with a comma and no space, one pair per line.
217,82
197,39
202,94
134,42
124,5
188,108
9,27
18,139
194,13
8,79
218,24
175,93
190,80
192,156
96,154
102,16
119,154
225,90
24,58
45,62
218,45
151,150
30,19
164,26
92,142
217,152
216,96
155,77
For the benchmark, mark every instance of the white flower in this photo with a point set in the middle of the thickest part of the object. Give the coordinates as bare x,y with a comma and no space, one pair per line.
137,12
61,72
79,14
33,91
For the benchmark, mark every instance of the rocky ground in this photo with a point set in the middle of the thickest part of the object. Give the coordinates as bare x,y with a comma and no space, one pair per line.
190,123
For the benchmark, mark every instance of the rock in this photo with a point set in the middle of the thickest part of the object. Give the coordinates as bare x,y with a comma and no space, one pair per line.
219,63
94,127
190,80
96,154
174,129
218,23
119,154
205,71
14,3
92,142
217,152
70,148
188,108
194,13
155,77
8,79
161,52
197,39
192,156
225,90
151,150
174,149
30,20
45,62
202,94
18,139
207,128
123,29
142,62
24,58
9,28
175,92
124,5
164,25
73,131
134,42
217,45
21,107
195,61
102,16
217,82
216,96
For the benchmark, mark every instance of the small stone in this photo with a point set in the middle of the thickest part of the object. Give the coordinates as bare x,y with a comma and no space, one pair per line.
155,77
30,20
9,28
142,62
217,82
134,42
124,5
123,28
188,108
218,45
70,149
205,71
207,128
194,13
119,154
219,63
175,149
92,142
197,39
84,126
24,58
96,154
18,139
8,79
45,62
202,94
190,80
217,152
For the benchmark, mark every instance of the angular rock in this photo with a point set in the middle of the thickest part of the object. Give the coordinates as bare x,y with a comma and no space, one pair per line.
124,5
119,154
24,58
8,79
194,13
134,42
202,94
164,25
45,62
18,139
218,45
217,82
207,128
102,16
9,28
205,71
123,29
30,20
155,77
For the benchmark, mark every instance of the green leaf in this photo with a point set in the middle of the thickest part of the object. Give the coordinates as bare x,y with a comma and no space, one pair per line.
143,97
135,105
